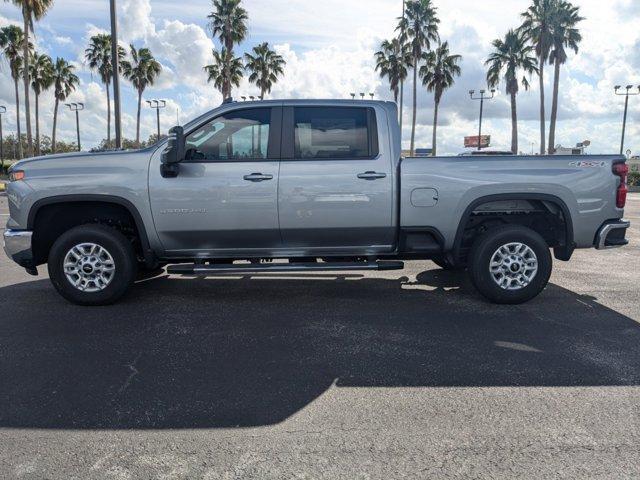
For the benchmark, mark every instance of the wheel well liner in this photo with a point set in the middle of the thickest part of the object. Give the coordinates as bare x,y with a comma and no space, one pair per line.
562,253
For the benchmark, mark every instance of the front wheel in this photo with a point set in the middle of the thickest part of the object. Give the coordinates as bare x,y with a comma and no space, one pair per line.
92,265
510,264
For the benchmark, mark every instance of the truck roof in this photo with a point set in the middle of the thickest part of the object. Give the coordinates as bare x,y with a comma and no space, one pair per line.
233,103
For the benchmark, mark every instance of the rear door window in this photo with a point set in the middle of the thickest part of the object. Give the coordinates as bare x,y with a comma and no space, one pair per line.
334,133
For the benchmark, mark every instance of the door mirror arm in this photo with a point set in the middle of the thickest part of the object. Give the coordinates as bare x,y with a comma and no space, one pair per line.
173,154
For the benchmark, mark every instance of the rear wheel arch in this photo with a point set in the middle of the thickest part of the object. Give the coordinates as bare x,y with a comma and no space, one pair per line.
563,250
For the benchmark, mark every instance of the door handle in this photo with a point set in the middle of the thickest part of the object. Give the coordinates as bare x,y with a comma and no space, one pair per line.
371,175
257,177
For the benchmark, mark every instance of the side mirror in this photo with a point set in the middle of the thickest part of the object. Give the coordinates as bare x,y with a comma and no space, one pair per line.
173,154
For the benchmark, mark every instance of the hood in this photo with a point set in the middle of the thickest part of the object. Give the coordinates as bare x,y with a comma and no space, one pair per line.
75,155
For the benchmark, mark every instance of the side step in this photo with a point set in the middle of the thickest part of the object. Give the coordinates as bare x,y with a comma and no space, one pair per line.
201,269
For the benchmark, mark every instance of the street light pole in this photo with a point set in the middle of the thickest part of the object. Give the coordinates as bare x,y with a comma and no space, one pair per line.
482,98
627,94
116,73
3,110
76,107
157,105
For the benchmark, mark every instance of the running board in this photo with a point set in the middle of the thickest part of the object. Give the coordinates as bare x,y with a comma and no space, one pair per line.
202,269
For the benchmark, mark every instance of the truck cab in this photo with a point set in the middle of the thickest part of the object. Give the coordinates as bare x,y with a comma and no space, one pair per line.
297,179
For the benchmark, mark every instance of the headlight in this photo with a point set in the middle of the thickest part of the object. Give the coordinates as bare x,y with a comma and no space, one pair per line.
15,175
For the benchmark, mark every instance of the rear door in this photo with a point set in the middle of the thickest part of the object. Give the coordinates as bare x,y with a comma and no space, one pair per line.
224,199
336,185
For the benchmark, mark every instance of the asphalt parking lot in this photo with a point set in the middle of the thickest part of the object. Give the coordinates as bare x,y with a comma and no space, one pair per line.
373,376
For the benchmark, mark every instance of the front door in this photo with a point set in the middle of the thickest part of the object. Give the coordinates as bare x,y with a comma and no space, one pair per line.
224,200
336,183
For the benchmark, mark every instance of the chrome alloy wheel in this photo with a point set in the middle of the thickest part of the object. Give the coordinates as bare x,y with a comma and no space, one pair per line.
89,267
513,266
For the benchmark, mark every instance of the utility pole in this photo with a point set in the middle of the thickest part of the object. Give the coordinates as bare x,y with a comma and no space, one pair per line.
3,110
116,73
627,94
76,107
482,98
157,105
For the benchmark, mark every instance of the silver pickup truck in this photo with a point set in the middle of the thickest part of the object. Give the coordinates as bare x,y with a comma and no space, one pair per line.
305,185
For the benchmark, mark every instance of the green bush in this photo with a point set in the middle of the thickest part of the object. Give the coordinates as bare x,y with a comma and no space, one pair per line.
634,179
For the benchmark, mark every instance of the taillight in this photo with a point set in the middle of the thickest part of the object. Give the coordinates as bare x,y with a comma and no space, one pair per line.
621,170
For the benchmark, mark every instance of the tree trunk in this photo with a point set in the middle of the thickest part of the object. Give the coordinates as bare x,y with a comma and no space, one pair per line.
514,125
401,105
37,122
262,94
108,117
543,147
25,76
55,124
15,83
415,106
435,128
138,119
554,108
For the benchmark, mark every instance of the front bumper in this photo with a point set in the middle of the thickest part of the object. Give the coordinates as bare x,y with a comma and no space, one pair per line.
17,246
612,234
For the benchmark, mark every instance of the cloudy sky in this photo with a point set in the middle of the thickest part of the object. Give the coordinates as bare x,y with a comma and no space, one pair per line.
329,48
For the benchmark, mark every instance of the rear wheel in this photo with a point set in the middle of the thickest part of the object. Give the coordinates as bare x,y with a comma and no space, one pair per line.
510,264
92,265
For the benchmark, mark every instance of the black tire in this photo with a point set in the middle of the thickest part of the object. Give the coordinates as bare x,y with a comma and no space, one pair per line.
444,263
115,243
488,244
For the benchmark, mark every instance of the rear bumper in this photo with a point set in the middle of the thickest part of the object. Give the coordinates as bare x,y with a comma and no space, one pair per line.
612,234
17,246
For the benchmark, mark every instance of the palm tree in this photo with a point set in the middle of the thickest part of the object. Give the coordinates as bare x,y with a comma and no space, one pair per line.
438,75
41,75
537,27
64,82
228,22
265,65
11,42
142,72
508,58
225,71
98,55
31,10
565,35
393,60
418,27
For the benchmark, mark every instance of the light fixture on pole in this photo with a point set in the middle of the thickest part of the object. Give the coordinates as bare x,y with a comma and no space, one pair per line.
76,107
157,105
482,98
371,94
353,96
361,95
3,110
626,94
116,74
